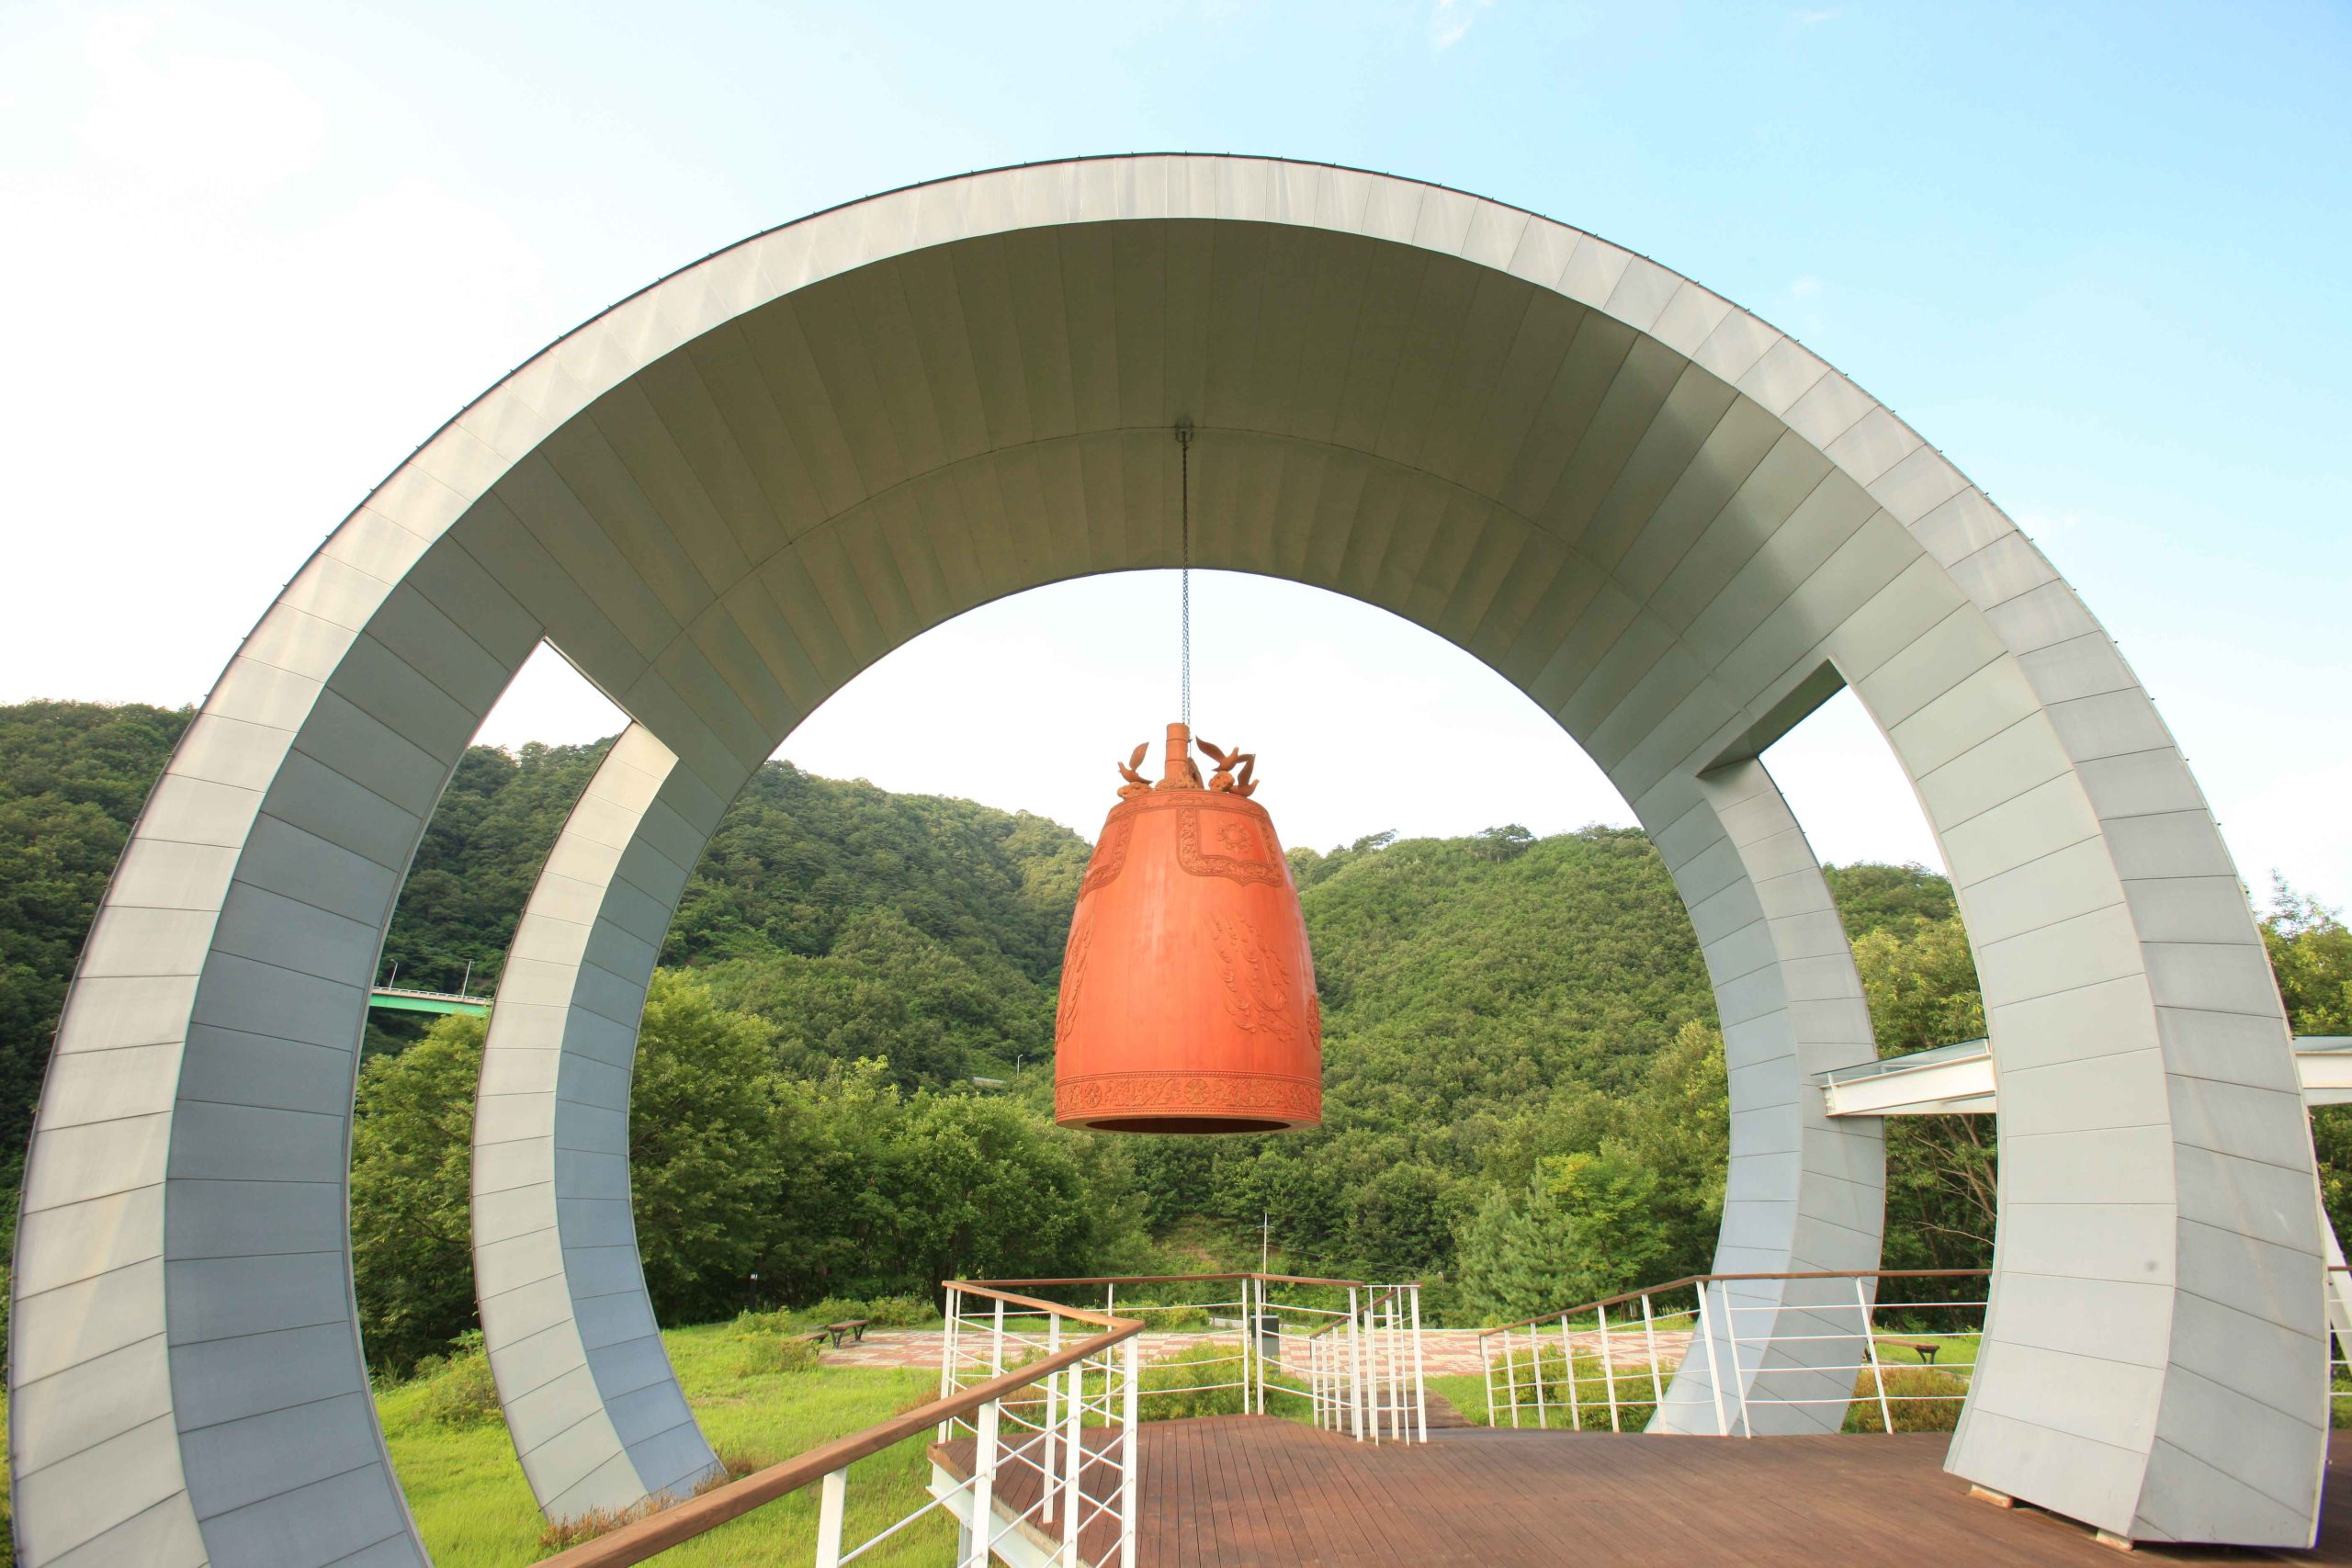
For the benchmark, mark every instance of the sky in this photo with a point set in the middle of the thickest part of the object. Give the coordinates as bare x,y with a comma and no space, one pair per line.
258,251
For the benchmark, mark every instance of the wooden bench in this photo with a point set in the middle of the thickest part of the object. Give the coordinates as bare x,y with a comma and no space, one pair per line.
855,1328
1926,1349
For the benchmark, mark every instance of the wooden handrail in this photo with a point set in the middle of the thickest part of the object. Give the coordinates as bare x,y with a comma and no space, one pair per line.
1179,1280
1715,1278
683,1521
974,1288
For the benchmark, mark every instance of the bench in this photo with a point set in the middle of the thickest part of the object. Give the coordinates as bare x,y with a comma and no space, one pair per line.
853,1328
1926,1349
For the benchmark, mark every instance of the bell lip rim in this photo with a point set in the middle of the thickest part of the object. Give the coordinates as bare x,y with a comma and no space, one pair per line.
1246,1123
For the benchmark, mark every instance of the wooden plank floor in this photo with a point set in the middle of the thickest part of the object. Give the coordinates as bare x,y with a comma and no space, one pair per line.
1254,1491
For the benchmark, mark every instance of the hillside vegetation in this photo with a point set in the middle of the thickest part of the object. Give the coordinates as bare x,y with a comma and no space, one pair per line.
1525,1099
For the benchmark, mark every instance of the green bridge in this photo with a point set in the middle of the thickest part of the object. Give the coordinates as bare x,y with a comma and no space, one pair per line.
394,1001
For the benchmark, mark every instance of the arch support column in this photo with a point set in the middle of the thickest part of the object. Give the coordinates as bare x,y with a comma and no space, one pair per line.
1802,1191
596,1411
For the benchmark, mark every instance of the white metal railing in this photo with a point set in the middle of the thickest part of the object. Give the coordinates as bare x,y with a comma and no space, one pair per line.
2339,1338
1057,1403
1073,1431
1817,1339
1345,1354
1363,1373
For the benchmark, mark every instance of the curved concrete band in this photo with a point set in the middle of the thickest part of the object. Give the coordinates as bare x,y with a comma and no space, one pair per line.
1670,525
596,1414
1803,1193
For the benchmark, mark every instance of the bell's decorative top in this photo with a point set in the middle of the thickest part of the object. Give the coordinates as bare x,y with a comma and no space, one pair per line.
1188,994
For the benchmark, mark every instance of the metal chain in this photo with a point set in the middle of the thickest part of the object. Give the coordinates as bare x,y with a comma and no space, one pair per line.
1184,461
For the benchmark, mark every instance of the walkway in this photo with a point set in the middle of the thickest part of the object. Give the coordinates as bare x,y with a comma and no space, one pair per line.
1250,1492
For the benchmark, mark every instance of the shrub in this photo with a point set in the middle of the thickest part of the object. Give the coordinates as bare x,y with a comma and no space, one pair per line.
901,1312
834,1309
1589,1385
460,1391
1917,1398
780,1321
1169,1319
1181,1386
767,1353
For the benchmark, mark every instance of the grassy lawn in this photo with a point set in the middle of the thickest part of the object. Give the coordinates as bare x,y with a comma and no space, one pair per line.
475,1510
1920,1399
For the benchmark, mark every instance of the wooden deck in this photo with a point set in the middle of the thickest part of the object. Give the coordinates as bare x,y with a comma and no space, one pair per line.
1254,1491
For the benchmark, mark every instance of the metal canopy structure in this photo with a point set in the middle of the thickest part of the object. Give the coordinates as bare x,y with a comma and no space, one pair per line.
1958,1079
1668,523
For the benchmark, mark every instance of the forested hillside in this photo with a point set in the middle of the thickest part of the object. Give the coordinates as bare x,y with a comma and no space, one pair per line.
926,931
1525,1096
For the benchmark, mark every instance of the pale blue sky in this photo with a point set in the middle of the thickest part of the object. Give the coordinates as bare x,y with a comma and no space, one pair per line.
2097,255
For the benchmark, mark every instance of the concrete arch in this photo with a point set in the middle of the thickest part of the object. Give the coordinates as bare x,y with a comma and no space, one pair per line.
1671,525
596,1414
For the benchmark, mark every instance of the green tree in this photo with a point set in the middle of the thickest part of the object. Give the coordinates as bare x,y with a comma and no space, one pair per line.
73,777
1513,1257
1585,1229
702,1148
2311,954
1942,1184
411,1170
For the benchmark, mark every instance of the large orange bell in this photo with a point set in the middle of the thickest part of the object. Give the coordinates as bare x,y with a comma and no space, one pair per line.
1188,994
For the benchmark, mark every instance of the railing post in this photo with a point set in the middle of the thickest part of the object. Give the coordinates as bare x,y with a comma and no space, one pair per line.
996,1345
1074,1460
1489,1361
1131,1419
1511,1379
1738,1379
983,1481
1048,1475
1567,1370
1420,1378
1248,1346
1395,1364
1714,1363
1649,1338
1257,1333
831,1502
1397,1423
947,1357
1870,1346
1355,1363
1608,1368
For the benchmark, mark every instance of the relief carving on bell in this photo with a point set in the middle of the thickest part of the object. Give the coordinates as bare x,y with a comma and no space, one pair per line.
1188,996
